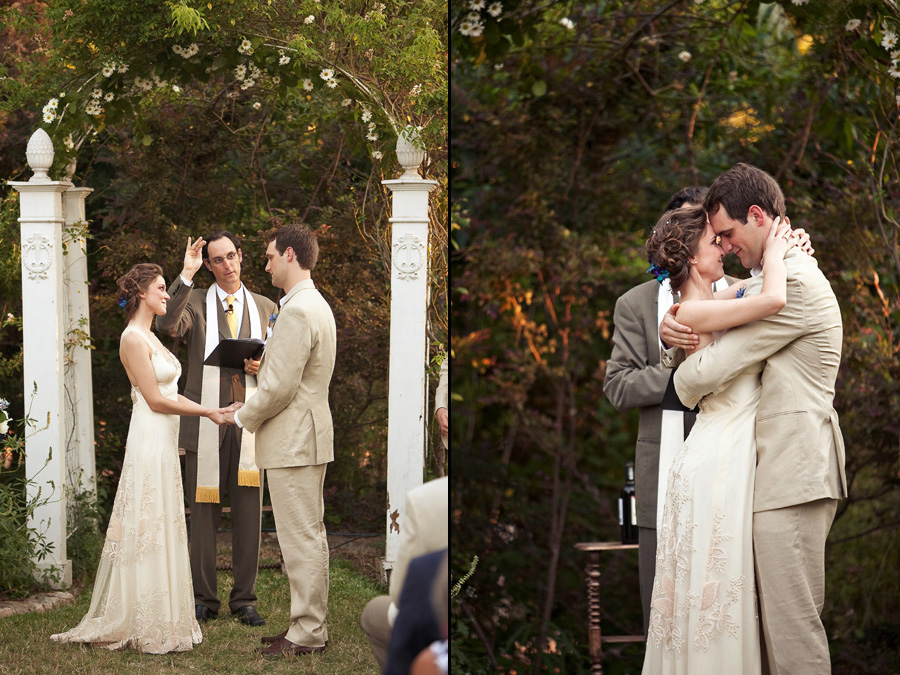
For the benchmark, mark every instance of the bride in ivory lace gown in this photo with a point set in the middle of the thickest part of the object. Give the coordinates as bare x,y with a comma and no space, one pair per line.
703,617
143,597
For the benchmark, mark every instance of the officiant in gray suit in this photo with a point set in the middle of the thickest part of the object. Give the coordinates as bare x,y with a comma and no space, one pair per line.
219,461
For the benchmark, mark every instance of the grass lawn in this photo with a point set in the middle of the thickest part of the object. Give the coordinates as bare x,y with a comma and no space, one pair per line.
227,646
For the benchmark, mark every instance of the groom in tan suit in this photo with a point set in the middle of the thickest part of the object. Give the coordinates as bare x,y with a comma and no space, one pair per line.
800,450
290,416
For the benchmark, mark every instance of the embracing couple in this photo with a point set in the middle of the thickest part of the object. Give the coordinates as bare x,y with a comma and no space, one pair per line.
751,495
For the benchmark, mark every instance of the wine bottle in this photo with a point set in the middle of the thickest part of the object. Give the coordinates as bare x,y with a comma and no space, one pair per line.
627,508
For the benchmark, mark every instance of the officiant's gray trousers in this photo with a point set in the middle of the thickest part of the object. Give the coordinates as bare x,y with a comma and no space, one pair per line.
246,511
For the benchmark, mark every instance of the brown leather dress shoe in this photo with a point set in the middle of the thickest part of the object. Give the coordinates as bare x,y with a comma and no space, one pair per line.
269,639
287,648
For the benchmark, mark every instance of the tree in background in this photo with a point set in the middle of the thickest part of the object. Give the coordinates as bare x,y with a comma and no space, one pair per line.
188,117
572,125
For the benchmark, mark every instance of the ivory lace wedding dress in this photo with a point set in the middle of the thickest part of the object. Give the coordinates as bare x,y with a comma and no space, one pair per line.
703,616
143,595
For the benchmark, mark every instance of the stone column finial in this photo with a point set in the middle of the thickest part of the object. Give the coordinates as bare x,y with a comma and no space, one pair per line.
39,154
410,151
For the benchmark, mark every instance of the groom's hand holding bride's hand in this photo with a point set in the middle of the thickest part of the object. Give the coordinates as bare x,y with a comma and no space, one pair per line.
230,410
217,416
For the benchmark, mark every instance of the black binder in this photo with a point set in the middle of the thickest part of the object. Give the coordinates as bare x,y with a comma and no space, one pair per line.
231,353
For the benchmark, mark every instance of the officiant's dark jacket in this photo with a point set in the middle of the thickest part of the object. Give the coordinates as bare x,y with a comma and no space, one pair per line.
186,316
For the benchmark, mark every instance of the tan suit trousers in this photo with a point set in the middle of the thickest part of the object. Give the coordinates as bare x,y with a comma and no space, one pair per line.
299,509
375,625
789,545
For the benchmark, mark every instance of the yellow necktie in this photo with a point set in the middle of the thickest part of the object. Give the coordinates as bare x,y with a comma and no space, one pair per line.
230,316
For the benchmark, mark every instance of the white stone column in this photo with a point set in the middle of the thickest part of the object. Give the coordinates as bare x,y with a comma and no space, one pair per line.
408,357
80,455
44,333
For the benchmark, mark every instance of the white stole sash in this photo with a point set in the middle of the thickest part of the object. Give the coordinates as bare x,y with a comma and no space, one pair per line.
208,440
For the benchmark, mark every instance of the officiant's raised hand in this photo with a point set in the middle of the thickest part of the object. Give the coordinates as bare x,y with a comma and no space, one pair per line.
193,258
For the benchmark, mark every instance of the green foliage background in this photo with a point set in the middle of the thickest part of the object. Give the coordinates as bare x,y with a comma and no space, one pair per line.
183,146
567,142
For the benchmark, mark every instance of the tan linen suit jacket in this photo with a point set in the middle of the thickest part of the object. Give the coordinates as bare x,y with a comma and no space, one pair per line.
186,315
289,413
634,379
799,444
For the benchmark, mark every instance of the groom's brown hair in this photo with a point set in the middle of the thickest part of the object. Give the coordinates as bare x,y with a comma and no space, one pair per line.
741,187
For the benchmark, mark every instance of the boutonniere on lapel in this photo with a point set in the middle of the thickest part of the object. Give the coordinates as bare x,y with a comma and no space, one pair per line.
272,318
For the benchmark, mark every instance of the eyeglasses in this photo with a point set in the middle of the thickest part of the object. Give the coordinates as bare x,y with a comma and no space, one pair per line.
218,261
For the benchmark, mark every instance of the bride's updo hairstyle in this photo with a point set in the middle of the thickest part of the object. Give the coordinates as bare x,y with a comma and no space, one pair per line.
134,282
675,240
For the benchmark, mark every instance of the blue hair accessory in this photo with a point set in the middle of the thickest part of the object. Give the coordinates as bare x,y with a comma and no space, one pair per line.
122,302
657,271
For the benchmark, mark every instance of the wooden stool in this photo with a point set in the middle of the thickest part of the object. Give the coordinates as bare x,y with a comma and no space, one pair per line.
595,636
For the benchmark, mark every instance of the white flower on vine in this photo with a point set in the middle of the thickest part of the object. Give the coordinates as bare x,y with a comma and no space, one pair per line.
852,24
889,40
276,80
257,105
367,115
476,4
52,104
97,93
326,74
176,88
240,71
284,60
62,94
247,84
894,71
49,116
68,142
474,17
495,9
109,97
372,137
371,126
108,70
93,108
310,19
471,28
246,47
346,102
685,56
566,22
331,84
377,155
799,2
307,84
123,68
416,90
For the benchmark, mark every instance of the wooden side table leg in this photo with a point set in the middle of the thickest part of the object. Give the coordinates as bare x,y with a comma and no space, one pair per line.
593,593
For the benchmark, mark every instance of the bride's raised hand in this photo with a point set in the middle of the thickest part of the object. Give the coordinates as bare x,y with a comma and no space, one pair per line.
803,241
779,240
